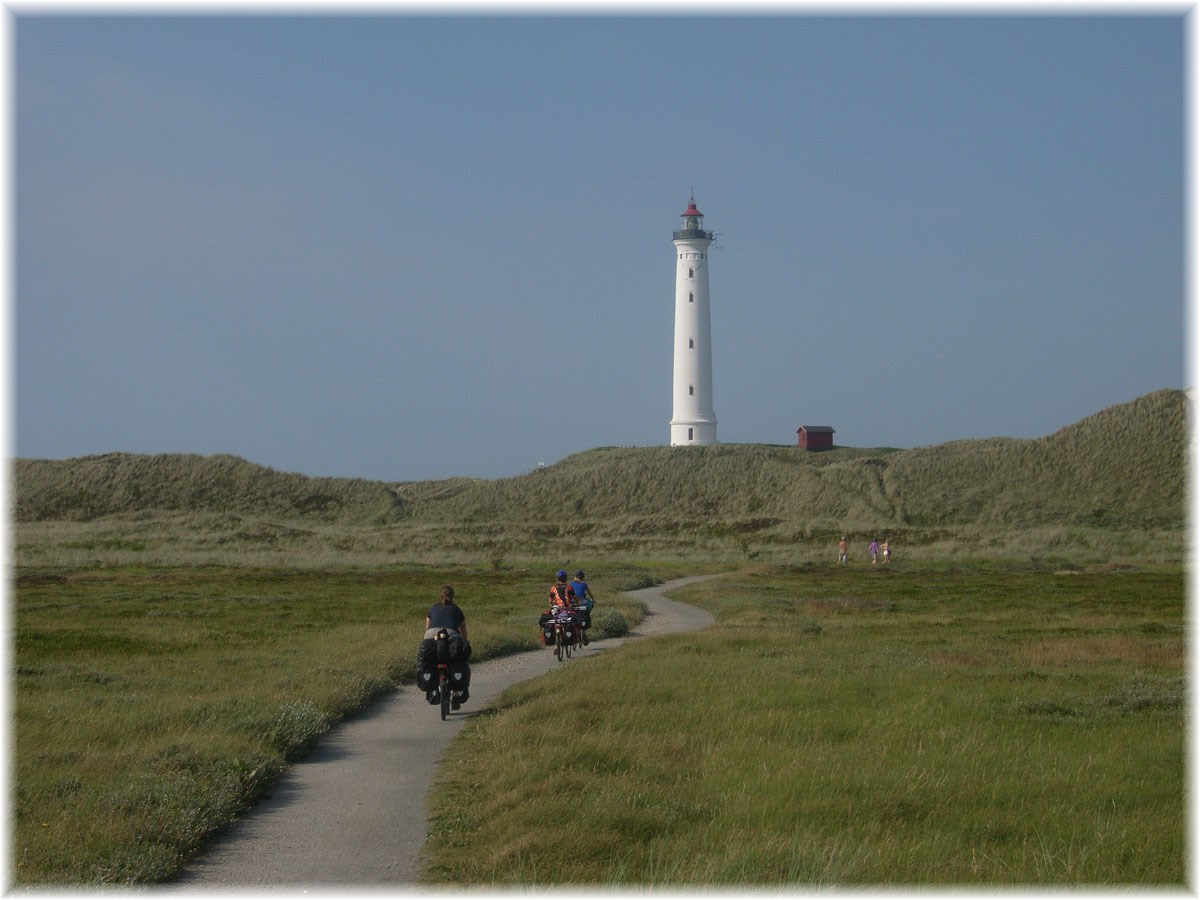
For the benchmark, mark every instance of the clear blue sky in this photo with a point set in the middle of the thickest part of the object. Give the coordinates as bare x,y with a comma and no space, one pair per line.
406,247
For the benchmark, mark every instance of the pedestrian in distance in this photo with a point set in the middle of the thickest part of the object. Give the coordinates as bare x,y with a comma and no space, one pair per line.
873,549
843,552
887,551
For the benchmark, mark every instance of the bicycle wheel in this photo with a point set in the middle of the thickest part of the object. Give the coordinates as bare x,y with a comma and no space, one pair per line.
559,649
444,688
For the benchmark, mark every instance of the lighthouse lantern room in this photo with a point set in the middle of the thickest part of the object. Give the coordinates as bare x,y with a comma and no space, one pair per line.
693,420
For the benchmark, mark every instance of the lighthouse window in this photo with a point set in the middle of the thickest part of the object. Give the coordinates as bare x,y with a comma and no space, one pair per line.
691,273
691,390
691,343
691,297
691,433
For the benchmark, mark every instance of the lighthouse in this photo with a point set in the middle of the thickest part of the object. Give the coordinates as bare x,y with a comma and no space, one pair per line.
692,418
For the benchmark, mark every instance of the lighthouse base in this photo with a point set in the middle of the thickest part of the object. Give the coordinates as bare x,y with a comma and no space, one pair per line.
687,434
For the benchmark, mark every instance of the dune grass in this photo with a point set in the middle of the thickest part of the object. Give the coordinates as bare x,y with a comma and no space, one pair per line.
981,725
1107,488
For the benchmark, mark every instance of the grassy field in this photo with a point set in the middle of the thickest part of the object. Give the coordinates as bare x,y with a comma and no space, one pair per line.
1001,706
987,725
151,705
984,724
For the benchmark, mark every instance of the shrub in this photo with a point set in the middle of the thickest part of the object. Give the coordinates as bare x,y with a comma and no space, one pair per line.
609,623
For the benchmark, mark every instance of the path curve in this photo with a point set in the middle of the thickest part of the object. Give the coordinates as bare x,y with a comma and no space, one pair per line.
353,811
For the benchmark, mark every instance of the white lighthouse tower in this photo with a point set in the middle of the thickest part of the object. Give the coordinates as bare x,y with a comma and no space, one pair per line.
692,418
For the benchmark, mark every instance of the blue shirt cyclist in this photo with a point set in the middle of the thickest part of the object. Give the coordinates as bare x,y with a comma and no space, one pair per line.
445,614
583,594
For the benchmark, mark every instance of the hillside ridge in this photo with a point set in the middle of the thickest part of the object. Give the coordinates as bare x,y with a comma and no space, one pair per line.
1123,466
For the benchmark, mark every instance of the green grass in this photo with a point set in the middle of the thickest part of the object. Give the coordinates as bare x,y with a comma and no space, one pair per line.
983,725
1003,705
152,705
986,724
1108,488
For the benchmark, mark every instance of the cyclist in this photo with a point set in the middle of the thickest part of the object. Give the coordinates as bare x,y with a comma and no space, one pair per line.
584,600
448,615
561,595
562,600
582,592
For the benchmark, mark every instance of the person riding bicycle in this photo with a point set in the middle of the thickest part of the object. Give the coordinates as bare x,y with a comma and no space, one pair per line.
562,601
584,600
561,595
583,594
446,614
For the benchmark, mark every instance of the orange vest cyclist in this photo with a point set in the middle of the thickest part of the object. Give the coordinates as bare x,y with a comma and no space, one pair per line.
561,595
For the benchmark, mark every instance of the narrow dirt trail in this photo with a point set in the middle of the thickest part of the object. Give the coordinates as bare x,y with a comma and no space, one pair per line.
353,811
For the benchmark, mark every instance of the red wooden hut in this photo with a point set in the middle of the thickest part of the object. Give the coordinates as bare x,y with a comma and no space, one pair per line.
814,437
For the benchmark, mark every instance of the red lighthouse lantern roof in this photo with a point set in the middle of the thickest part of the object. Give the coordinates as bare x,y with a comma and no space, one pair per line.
691,210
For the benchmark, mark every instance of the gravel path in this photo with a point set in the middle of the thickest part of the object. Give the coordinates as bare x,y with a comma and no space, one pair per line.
352,812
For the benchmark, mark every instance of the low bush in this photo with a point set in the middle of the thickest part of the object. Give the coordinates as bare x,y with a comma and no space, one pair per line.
608,623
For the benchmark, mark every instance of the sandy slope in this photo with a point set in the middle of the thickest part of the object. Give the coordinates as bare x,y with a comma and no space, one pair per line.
352,813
